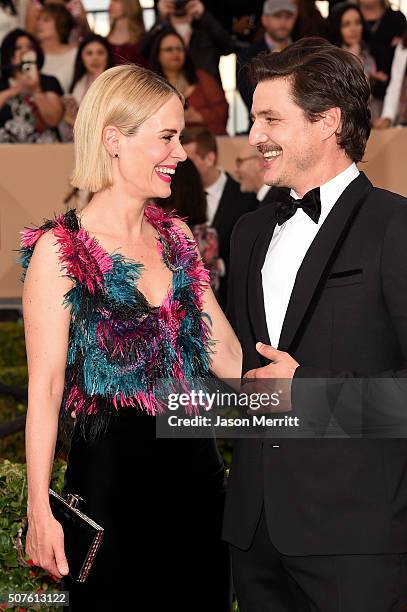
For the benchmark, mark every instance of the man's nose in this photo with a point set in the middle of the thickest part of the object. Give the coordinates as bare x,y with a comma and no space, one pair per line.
256,135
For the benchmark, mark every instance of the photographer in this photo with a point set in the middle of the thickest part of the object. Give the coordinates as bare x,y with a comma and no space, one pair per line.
203,35
30,102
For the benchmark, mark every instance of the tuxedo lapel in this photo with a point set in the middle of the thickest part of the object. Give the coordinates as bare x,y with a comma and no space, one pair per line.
254,285
319,259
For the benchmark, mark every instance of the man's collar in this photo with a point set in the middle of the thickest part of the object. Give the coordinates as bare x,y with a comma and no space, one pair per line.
218,185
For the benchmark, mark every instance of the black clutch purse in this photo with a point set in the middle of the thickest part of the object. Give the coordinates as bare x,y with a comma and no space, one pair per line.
82,536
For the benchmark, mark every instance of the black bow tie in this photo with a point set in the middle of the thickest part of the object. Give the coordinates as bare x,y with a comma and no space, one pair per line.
287,206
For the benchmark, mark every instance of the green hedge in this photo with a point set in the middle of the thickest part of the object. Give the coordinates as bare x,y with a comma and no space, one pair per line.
16,574
13,447
12,345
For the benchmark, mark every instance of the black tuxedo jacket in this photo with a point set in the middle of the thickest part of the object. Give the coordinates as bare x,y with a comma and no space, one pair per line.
232,205
347,316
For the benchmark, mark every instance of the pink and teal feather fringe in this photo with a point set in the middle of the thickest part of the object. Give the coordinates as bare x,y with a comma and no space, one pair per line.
120,347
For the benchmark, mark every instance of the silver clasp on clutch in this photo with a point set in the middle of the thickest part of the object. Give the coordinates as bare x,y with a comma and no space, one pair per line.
73,500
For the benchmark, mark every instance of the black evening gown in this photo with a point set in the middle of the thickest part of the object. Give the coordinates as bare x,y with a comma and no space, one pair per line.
160,502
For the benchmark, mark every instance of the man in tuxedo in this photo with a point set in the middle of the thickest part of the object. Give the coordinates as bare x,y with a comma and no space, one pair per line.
320,280
249,171
225,203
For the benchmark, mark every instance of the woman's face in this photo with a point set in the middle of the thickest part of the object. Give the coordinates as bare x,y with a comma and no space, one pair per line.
116,9
23,44
148,160
172,54
94,57
351,28
45,27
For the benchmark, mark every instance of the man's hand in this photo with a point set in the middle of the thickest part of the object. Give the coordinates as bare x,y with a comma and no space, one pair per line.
274,377
195,9
282,366
165,8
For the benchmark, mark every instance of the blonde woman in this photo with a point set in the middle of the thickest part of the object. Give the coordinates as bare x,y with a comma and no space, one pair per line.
116,298
126,30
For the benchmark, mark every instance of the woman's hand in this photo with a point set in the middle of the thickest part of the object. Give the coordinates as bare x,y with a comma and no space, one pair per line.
380,76
45,543
192,116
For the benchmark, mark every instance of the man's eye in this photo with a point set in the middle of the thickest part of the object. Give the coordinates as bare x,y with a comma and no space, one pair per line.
169,138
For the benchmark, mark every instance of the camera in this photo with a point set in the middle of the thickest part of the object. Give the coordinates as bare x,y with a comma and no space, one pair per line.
180,7
29,63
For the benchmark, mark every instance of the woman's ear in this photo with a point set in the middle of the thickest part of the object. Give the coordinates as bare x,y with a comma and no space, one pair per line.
111,140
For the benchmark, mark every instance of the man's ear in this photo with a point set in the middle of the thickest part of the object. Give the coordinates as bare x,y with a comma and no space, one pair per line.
210,159
330,122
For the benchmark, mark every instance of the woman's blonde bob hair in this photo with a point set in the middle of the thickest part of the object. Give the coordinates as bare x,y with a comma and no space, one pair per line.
123,96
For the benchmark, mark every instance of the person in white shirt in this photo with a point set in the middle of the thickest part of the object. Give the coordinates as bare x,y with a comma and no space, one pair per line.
398,80
53,29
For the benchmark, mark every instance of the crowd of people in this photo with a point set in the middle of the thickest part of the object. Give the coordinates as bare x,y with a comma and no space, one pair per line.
50,56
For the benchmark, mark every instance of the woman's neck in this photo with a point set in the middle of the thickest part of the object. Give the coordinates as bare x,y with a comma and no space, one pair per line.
91,77
172,76
120,32
124,219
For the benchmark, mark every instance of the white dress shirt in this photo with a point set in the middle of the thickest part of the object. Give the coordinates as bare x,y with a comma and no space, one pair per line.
287,249
213,196
262,192
393,91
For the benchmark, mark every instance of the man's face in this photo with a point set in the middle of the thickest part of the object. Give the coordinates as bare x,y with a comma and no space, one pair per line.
290,144
249,170
203,164
280,25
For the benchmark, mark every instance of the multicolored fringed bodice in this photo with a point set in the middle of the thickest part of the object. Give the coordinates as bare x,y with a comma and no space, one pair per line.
119,345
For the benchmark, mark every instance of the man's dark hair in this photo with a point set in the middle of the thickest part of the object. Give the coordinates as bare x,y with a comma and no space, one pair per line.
203,138
323,76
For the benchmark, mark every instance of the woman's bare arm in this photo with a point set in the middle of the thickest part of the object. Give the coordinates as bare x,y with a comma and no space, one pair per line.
226,360
50,107
46,324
